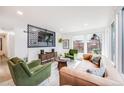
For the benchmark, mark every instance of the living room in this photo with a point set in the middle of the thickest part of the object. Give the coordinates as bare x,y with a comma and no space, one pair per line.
60,45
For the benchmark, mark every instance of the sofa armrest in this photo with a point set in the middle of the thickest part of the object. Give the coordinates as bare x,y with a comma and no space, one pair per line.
76,78
34,63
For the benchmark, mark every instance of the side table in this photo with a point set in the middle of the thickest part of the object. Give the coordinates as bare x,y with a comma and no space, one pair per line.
61,63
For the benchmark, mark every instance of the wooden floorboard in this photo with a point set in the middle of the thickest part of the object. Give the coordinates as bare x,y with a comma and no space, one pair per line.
4,69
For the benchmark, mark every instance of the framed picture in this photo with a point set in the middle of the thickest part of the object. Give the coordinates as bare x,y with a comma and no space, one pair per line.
65,44
40,37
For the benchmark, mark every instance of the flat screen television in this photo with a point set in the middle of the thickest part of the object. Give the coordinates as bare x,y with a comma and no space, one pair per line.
39,37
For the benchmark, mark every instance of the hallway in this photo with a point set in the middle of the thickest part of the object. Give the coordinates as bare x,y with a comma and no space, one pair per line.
4,70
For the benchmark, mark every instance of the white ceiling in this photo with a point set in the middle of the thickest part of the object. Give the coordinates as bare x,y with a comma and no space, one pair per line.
62,19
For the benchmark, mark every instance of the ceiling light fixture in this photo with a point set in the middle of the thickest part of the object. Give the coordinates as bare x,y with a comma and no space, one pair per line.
19,12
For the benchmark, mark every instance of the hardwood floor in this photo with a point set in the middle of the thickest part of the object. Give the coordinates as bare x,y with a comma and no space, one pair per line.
4,69
3,60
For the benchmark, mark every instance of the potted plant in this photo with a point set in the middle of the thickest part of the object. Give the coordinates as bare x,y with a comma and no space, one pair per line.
96,51
60,40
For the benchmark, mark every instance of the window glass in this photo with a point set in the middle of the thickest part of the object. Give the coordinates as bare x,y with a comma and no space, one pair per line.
113,42
122,40
88,43
94,44
79,45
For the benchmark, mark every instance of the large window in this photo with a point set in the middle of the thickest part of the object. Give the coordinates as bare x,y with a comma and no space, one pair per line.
93,46
79,45
123,40
88,43
113,42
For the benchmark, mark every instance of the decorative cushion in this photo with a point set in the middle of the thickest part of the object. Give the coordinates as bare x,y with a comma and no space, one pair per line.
87,56
99,72
16,60
96,60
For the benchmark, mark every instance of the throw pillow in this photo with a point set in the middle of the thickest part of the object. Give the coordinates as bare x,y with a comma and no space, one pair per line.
98,72
87,56
96,60
16,60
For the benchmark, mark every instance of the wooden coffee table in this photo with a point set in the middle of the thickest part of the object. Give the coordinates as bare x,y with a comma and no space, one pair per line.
61,63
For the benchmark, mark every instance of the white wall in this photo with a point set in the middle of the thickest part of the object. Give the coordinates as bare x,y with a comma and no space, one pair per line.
107,42
11,44
20,43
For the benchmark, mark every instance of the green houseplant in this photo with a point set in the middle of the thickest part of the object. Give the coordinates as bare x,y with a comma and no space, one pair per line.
60,40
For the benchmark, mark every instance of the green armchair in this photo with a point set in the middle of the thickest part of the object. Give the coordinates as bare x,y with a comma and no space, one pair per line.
71,54
28,74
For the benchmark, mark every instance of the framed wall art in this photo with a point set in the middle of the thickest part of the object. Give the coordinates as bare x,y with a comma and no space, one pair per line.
40,37
66,44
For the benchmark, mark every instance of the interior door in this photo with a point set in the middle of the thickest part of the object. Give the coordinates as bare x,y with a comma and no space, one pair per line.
0,44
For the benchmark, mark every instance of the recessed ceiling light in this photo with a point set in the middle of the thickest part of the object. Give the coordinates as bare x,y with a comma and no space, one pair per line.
85,24
19,12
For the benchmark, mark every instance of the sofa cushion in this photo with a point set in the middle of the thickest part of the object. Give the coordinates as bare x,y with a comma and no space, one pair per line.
69,56
99,72
84,65
35,69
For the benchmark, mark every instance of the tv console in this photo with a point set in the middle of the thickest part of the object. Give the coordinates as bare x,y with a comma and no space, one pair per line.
47,56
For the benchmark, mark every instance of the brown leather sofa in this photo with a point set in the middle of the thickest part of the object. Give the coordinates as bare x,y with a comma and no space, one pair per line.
77,77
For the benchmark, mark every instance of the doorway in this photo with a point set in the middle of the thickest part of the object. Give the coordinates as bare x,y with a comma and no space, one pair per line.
0,44
3,47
